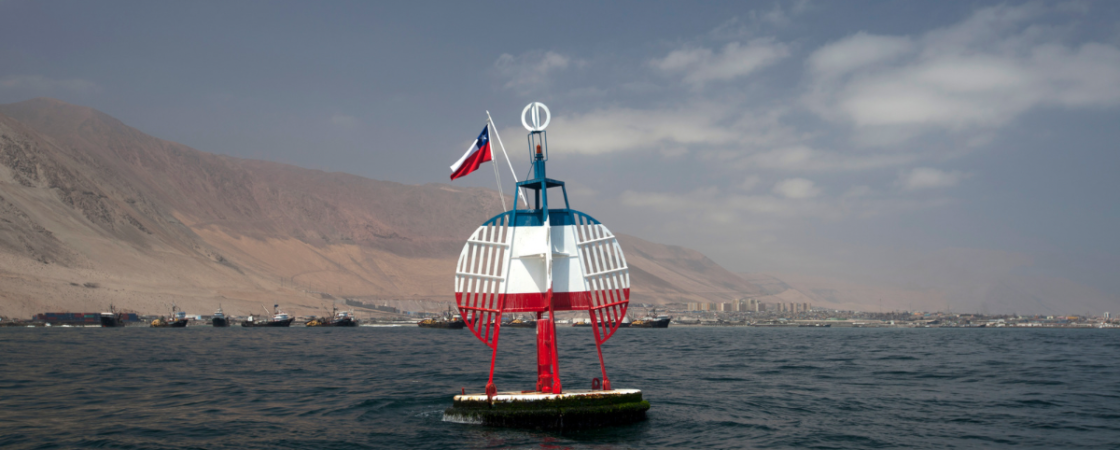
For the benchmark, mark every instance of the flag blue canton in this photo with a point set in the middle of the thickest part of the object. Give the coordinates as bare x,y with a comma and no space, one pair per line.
484,136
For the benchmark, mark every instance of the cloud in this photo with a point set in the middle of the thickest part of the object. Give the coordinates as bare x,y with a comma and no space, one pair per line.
749,182
976,75
806,159
927,178
796,188
41,83
699,65
709,204
344,121
621,129
531,71
858,50
779,15
792,198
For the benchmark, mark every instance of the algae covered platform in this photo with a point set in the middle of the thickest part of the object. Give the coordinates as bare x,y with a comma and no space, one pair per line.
569,410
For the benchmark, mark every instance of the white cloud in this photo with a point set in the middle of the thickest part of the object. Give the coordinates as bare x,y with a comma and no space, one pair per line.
858,50
970,77
749,182
926,178
796,188
804,158
531,71
41,83
621,129
699,65
709,204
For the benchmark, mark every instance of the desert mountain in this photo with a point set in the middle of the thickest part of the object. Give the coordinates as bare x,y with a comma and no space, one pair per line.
94,212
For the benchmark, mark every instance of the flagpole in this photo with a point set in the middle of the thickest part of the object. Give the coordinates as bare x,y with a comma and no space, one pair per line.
515,180
497,178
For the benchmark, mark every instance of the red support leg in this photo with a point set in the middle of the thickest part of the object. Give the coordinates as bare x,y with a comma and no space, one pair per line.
548,364
544,358
556,388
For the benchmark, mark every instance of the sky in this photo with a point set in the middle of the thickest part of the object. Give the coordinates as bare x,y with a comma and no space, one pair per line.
924,145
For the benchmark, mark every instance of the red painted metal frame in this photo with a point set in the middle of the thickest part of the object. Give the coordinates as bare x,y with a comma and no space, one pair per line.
605,271
481,273
482,281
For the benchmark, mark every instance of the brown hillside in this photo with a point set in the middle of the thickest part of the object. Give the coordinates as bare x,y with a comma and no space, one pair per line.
93,211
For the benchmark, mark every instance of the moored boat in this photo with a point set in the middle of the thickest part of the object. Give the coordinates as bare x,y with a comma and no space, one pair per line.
177,319
279,319
651,322
520,323
448,320
113,318
339,319
219,320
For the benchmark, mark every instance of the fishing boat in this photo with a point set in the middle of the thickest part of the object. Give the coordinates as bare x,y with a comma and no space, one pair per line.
337,319
113,318
177,319
587,323
279,319
448,320
521,323
650,321
219,320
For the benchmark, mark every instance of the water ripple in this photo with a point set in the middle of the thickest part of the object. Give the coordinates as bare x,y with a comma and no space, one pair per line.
709,387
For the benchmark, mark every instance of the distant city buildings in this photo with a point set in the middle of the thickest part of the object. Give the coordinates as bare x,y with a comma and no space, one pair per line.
749,305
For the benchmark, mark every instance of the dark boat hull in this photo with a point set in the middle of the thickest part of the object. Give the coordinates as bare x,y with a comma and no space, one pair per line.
270,323
455,325
218,322
588,324
111,322
660,323
520,324
347,322
181,323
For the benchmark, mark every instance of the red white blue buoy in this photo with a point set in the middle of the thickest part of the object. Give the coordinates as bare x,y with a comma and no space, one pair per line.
542,260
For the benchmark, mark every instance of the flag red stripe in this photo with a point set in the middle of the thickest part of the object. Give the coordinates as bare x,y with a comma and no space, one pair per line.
473,161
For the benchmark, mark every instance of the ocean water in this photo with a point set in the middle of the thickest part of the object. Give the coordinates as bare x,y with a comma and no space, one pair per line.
832,388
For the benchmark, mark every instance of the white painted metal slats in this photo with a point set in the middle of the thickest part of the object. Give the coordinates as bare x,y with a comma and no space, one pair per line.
480,279
606,275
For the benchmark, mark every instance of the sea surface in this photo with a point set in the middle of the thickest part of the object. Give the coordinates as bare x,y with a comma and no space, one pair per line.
833,388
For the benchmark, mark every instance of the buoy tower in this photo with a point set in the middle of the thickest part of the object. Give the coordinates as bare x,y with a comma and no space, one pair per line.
543,260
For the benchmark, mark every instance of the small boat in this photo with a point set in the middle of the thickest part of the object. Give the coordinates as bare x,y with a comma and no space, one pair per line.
449,321
338,319
651,322
279,319
112,319
178,319
520,323
219,320
587,323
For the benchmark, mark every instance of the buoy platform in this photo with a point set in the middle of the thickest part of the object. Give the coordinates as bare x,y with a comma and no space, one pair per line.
569,410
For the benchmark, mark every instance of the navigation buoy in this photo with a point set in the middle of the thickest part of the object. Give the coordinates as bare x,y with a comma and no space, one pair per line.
542,261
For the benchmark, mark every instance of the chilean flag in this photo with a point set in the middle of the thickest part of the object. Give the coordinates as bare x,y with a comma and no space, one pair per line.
475,156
